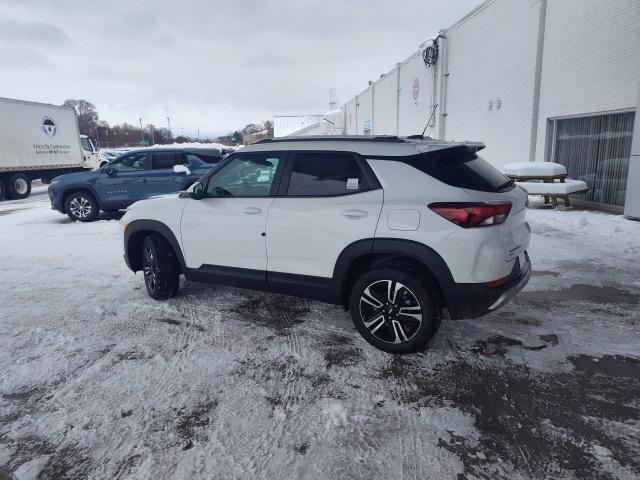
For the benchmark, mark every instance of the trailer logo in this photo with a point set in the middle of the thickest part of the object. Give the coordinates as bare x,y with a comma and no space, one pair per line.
49,127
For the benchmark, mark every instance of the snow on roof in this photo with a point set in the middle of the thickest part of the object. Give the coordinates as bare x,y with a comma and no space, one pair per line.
190,145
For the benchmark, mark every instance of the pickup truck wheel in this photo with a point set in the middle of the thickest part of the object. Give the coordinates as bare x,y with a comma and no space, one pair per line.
81,206
160,268
394,310
19,186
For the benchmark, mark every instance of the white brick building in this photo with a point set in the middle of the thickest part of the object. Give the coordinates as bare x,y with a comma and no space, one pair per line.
553,80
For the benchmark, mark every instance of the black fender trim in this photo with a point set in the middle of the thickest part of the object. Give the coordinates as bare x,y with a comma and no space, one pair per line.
157,227
426,256
396,247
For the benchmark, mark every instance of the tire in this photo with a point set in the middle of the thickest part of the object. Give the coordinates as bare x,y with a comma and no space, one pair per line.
81,206
160,268
19,187
390,323
2,189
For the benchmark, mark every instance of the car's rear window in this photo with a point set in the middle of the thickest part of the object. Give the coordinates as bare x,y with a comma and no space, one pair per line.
462,168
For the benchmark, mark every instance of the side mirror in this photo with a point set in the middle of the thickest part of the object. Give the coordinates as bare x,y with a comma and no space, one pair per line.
108,169
181,169
197,191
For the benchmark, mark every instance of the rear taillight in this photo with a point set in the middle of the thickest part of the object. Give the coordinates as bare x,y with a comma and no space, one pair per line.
469,215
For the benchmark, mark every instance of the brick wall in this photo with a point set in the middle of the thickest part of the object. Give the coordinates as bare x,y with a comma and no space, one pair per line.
591,60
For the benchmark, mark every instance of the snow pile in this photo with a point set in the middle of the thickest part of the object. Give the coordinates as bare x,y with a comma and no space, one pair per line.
335,415
556,188
534,169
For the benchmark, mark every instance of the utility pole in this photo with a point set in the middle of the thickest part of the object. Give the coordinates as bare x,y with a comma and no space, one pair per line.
198,135
141,130
169,123
153,141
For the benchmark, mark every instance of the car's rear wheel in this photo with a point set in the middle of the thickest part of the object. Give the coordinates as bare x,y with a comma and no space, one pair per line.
19,186
160,268
81,206
394,310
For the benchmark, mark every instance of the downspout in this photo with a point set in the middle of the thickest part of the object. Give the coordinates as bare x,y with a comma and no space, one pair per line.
444,55
344,124
356,119
434,96
373,108
398,98
537,80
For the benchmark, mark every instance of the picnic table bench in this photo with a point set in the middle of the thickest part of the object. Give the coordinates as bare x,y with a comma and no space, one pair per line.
546,179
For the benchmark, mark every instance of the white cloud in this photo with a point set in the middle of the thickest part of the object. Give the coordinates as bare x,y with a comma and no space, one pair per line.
213,65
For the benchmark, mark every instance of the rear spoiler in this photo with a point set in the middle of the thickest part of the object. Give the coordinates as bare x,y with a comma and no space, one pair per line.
431,147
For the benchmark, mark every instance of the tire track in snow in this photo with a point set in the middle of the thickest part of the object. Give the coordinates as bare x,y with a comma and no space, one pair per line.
138,443
411,447
271,439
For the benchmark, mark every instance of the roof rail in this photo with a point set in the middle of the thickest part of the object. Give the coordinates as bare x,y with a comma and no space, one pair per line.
336,138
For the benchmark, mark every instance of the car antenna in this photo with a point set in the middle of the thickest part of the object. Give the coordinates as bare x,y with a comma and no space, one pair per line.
433,112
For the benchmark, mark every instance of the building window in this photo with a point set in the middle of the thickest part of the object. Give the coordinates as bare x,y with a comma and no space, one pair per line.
595,149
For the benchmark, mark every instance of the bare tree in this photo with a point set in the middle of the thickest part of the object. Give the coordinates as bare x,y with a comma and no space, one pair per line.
87,115
268,126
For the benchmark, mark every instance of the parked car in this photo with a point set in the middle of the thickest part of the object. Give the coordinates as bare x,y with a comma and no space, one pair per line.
396,230
131,177
107,155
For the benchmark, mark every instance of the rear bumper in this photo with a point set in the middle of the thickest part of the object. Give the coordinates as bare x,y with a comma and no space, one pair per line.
472,300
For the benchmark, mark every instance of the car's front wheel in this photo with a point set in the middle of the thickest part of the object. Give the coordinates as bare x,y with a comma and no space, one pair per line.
394,310
81,206
160,268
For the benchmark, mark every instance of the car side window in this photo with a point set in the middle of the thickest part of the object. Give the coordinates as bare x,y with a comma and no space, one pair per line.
248,175
167,160
132,162
206,158
325,174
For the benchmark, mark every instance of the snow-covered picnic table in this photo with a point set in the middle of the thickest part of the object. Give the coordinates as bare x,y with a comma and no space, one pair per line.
545,178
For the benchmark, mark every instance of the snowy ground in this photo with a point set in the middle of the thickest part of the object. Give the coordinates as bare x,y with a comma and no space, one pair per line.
99,381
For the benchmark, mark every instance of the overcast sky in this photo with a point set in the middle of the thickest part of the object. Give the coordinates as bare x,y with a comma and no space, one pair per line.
213,65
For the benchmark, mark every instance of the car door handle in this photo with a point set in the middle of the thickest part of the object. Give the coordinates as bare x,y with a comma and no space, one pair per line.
252,210
354,213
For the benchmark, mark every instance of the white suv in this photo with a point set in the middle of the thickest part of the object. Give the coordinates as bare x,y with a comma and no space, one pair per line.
397,230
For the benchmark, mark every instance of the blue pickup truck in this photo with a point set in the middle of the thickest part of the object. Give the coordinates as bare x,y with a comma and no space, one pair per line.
131,177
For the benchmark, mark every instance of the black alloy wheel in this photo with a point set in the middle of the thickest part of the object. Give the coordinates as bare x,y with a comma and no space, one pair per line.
160,268
395,309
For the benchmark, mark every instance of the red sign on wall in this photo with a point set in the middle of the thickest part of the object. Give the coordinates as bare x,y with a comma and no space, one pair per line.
416,88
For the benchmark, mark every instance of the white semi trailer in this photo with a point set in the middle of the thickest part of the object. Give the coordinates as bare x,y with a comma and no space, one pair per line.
39,141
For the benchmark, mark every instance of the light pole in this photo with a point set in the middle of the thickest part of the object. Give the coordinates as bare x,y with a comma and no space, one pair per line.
141,132
198,135
169,124
153,141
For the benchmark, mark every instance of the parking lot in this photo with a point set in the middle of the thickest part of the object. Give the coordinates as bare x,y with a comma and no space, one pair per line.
100,381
